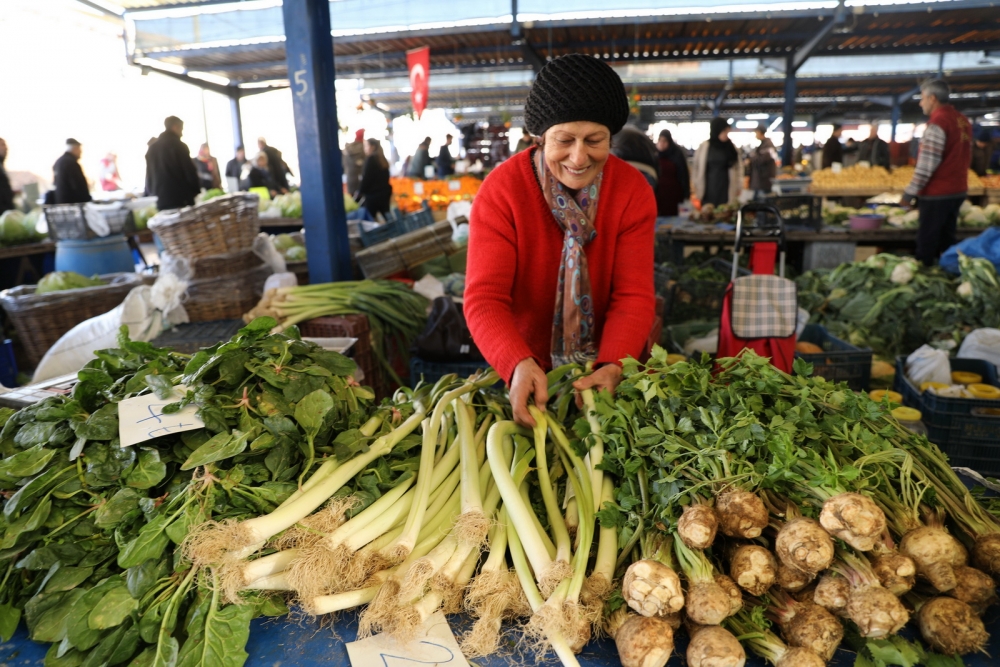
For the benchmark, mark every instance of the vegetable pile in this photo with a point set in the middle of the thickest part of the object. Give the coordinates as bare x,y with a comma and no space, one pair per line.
789,513
894,305
58,281
761,510
289,247
288,205
17,228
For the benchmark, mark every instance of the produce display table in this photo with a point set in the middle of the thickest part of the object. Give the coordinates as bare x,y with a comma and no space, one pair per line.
308,643
27,249
835,245
281,224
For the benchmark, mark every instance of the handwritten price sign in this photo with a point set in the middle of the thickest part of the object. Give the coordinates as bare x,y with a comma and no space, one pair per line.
141,418
435,645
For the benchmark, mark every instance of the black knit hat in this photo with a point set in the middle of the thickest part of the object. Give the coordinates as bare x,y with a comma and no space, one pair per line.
572,88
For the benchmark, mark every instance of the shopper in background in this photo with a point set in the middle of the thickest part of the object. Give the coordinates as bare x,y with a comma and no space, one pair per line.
567,203
445,163
6,192
763,167
523,143
941,178
873,150
234,169
832,150
208,169
982,152
170,171
256,174
353,159
374,191
276,164
70,183
674,185
421,159
850,152
718,170
632,145
110,178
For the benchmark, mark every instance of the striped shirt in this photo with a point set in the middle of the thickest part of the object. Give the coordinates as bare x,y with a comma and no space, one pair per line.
931,153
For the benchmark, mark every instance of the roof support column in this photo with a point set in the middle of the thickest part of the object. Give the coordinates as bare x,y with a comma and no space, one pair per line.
789,113
895,118
237,118
309,49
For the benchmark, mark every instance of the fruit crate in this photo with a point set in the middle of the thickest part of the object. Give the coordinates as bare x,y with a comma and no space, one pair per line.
432,371
839,361
397,226
966,429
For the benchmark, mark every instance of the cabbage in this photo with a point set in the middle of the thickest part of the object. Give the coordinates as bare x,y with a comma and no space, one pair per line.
283,242
289,205
992,213
966,205
58,281
296,253
209,194
141,216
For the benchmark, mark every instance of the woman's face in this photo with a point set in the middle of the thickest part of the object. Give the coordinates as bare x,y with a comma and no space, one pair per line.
724,135
576,152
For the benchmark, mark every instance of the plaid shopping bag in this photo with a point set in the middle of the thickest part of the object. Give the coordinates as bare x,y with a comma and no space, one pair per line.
764,306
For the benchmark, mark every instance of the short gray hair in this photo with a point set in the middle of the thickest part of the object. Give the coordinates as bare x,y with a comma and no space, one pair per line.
938,88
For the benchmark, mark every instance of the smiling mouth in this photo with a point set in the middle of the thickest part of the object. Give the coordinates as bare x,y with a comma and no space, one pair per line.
575,172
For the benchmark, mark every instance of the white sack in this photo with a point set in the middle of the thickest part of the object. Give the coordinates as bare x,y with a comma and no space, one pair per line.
981,344
928,365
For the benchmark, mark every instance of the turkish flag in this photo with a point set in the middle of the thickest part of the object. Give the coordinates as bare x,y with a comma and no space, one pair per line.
419,63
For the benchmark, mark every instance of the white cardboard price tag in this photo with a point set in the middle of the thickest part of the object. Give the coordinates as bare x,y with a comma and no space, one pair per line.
434,645
454,185
141,418
418,188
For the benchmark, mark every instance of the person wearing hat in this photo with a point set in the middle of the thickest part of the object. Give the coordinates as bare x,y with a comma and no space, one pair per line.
982,152
70,183
560,261
354,160
718,170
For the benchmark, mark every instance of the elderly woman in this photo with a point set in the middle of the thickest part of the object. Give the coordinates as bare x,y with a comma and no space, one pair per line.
560,264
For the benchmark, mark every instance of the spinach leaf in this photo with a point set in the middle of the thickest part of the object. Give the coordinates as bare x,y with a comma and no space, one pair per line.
141,578
116,605
101,425
10,616
149,543
115,509
37,433
149,470
50,625
29,462
161,386
217,636
67,578
222,446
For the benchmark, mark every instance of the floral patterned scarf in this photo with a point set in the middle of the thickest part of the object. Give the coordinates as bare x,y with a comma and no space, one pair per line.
573,321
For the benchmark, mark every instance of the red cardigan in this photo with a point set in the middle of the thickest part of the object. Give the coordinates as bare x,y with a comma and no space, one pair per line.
515,247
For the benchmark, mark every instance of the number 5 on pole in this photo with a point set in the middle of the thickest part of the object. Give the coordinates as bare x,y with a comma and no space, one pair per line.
299,77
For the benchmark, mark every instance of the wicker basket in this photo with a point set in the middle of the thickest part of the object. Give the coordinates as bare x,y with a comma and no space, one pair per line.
42,319
221,266
407,251
225,298
222,226
68,222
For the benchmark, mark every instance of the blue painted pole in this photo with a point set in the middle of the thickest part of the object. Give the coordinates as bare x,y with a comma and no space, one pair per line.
311,73
895,117
789,113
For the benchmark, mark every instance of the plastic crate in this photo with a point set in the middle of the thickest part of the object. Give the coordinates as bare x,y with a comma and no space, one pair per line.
688,300
966,429
68,222
397,226
840,361
191,337
432,371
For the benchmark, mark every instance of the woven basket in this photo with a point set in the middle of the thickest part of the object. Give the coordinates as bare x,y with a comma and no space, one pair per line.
221,266
407,251
42,319
225,298
222,226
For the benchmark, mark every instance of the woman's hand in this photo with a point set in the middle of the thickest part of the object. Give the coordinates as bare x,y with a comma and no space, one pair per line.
605,377
528,385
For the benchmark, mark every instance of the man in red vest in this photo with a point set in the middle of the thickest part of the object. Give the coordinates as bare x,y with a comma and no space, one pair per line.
941,178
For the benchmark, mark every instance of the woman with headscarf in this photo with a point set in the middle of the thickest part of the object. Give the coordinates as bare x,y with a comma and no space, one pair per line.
718,171
561,238
674,185
374,190
633,146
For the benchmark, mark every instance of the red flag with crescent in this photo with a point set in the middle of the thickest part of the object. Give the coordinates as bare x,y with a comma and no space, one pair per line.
419,63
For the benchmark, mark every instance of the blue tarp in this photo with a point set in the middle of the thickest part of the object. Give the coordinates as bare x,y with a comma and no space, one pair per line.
985,245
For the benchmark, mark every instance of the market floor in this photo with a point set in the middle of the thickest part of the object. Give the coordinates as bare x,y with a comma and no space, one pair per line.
278,643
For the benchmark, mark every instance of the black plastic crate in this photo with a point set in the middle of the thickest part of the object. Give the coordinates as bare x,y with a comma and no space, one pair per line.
966,429
689,300
68,222
432,371
839,361
189,338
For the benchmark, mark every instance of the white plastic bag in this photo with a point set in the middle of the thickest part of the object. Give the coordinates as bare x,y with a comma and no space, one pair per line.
278,280
430,287
146,311
981,344
264,248
708,343
928,365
